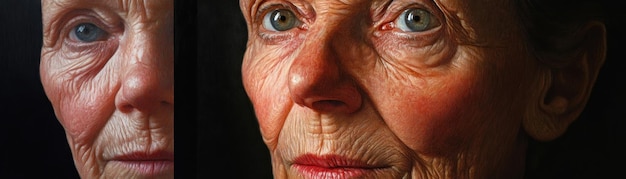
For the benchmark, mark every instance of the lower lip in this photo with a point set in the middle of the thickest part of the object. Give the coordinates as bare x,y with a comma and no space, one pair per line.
334,173
331,166
149,167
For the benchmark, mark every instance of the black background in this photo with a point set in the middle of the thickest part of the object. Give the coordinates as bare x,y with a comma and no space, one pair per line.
216,133
32,141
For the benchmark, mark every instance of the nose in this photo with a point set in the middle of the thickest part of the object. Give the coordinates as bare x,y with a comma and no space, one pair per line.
147,78
319,81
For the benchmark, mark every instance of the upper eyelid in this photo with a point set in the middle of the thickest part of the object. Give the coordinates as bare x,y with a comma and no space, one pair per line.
264,9
84,19
267,7
394,10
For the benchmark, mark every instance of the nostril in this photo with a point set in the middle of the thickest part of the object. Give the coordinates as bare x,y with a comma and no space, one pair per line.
126,108
329,106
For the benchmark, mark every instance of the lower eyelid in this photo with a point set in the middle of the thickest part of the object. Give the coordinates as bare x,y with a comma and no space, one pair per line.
95,48
86,47
275,38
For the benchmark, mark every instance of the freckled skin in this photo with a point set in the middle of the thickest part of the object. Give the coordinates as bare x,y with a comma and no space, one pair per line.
113,96
429,105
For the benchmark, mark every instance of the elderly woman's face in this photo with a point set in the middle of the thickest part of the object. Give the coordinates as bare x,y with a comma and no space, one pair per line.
404,88
107,68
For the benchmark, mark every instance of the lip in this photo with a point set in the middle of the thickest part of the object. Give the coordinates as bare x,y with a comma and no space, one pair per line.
332,166
149,164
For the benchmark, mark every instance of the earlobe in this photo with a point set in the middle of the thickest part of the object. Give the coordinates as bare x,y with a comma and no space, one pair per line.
567,87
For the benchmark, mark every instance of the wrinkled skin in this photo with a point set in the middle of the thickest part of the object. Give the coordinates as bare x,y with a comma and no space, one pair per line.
346,81
114,96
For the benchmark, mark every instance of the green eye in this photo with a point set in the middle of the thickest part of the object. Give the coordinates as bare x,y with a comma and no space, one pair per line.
416,20
280,20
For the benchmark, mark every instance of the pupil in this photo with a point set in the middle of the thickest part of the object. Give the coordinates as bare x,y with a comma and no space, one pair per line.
87,32
83,29
414,18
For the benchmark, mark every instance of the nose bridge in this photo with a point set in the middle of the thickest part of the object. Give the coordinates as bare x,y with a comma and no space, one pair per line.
147,79
324,48
338,32
318,78
150,46
150,56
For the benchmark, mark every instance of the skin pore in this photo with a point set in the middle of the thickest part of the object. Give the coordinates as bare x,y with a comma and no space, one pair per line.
107,68
347,91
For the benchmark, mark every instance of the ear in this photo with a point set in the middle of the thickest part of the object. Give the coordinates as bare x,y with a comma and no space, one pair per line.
567,87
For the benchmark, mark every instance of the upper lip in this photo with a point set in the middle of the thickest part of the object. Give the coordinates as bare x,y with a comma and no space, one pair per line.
146,156
333,161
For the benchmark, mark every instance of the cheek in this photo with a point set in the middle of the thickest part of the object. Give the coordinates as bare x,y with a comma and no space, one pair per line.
436,119
83,102
268,93
84,114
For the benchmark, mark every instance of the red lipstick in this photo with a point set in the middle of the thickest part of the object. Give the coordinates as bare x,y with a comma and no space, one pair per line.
332,166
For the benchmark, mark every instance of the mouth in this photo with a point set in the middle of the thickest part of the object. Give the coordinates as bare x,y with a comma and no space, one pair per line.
149,164
333,166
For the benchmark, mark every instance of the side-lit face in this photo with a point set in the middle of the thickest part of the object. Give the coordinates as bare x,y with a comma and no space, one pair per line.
389,89
107,68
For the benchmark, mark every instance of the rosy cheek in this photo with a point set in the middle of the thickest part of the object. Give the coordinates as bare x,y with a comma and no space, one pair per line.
83,115
83,103
433,120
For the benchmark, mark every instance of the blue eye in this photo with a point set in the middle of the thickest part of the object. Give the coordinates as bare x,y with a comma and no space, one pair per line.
416,20
280,20
87,32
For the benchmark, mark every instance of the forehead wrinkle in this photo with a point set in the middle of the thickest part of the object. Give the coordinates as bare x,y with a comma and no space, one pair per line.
340,7
134,7
142,14
146,9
